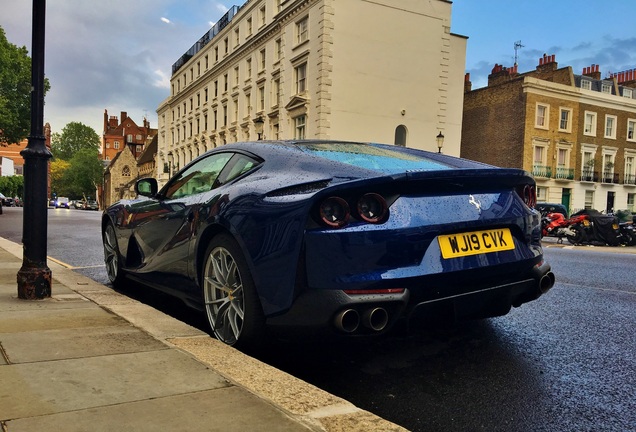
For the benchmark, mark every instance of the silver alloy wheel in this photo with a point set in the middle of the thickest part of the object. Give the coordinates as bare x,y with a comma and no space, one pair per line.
111,254
223,295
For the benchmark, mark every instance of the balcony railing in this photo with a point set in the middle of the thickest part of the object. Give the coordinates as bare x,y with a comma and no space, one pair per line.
542,171
610,177
564,173
589,176
629,179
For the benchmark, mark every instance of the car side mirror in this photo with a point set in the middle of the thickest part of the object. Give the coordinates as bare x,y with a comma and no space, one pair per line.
146,187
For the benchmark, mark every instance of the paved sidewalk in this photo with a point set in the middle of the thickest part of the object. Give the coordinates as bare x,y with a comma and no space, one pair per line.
91,359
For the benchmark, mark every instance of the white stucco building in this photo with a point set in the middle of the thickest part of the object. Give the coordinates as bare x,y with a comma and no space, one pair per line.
386,71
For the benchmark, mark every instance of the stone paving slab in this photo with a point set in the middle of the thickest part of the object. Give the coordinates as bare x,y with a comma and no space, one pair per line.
220,410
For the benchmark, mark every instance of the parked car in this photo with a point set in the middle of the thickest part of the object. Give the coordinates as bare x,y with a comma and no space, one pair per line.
79,204
91,205
331,237
545,208
62,202
7,201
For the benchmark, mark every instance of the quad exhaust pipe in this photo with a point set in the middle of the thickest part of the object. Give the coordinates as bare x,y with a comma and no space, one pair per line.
546,282
349,320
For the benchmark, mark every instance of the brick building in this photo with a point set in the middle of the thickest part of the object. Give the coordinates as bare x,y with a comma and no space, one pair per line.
12,151
574,132
125,132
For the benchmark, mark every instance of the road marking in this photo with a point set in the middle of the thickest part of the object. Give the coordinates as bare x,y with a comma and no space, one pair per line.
70,267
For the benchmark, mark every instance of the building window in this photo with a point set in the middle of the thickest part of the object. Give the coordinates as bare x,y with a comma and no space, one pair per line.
216,88
248,104
630,170
589,199
627,93
125,171
263,59
276,92
237,37
302,30
216,53
542,194
539,158
107,145
116,145
301,78
249,26
261,16
216,122
610,126
248,69
279,49
586,84
138,149
565,115
589,127
606,88
198,100
261,98
299,127
235,105
236,76
226,46
630,202
224,115
225,83
205,97
541,120
400,136
631,126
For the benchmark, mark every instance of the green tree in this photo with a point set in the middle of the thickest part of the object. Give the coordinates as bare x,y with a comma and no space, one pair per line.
12,186
58,182
75,136
84,174
15,91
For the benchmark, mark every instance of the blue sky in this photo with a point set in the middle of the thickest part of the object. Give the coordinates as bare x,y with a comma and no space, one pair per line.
117,54
579,33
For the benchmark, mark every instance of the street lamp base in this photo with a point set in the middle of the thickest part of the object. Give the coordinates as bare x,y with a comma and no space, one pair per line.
34,283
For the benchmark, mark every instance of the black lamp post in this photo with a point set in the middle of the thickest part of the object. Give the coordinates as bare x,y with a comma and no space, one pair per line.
258,126
34,277
440,141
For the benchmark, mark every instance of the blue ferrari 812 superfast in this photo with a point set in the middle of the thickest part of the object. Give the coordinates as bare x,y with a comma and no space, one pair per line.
327,237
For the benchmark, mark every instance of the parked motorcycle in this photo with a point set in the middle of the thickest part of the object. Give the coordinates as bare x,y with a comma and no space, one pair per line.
628,233
594,228
556,225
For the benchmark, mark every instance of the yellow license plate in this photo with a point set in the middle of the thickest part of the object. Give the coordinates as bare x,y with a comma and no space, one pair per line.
475,243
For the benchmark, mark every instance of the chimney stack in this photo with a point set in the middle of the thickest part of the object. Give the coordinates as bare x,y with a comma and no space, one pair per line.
592,72
547,63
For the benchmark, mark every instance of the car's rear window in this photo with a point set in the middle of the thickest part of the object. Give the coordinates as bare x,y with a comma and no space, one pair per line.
379,158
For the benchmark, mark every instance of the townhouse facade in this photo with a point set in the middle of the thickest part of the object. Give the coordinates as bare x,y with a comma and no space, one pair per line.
319,69
123,131
573,132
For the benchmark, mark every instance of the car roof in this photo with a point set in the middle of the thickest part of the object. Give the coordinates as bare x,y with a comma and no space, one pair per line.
380,158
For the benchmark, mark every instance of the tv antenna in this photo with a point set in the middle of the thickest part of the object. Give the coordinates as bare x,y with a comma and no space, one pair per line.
517,47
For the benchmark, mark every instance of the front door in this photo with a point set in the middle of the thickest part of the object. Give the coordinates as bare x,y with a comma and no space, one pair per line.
610,203
565,199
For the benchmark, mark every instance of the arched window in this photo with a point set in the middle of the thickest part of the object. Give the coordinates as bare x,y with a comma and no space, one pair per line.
400,135
125,172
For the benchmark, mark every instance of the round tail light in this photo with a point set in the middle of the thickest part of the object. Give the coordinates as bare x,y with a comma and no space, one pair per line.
372,208
334,212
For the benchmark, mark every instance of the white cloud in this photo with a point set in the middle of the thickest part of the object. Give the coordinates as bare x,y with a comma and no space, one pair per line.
166,20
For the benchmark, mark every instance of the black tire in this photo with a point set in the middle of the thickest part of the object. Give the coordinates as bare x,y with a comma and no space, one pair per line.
231,303
578,235
112,257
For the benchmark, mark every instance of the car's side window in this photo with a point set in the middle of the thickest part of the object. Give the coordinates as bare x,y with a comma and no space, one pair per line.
239,165
200,177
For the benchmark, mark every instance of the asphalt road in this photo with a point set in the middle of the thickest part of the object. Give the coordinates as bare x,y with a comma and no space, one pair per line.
566,362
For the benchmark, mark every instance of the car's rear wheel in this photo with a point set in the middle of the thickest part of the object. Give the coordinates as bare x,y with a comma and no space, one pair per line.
112,258
231,303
